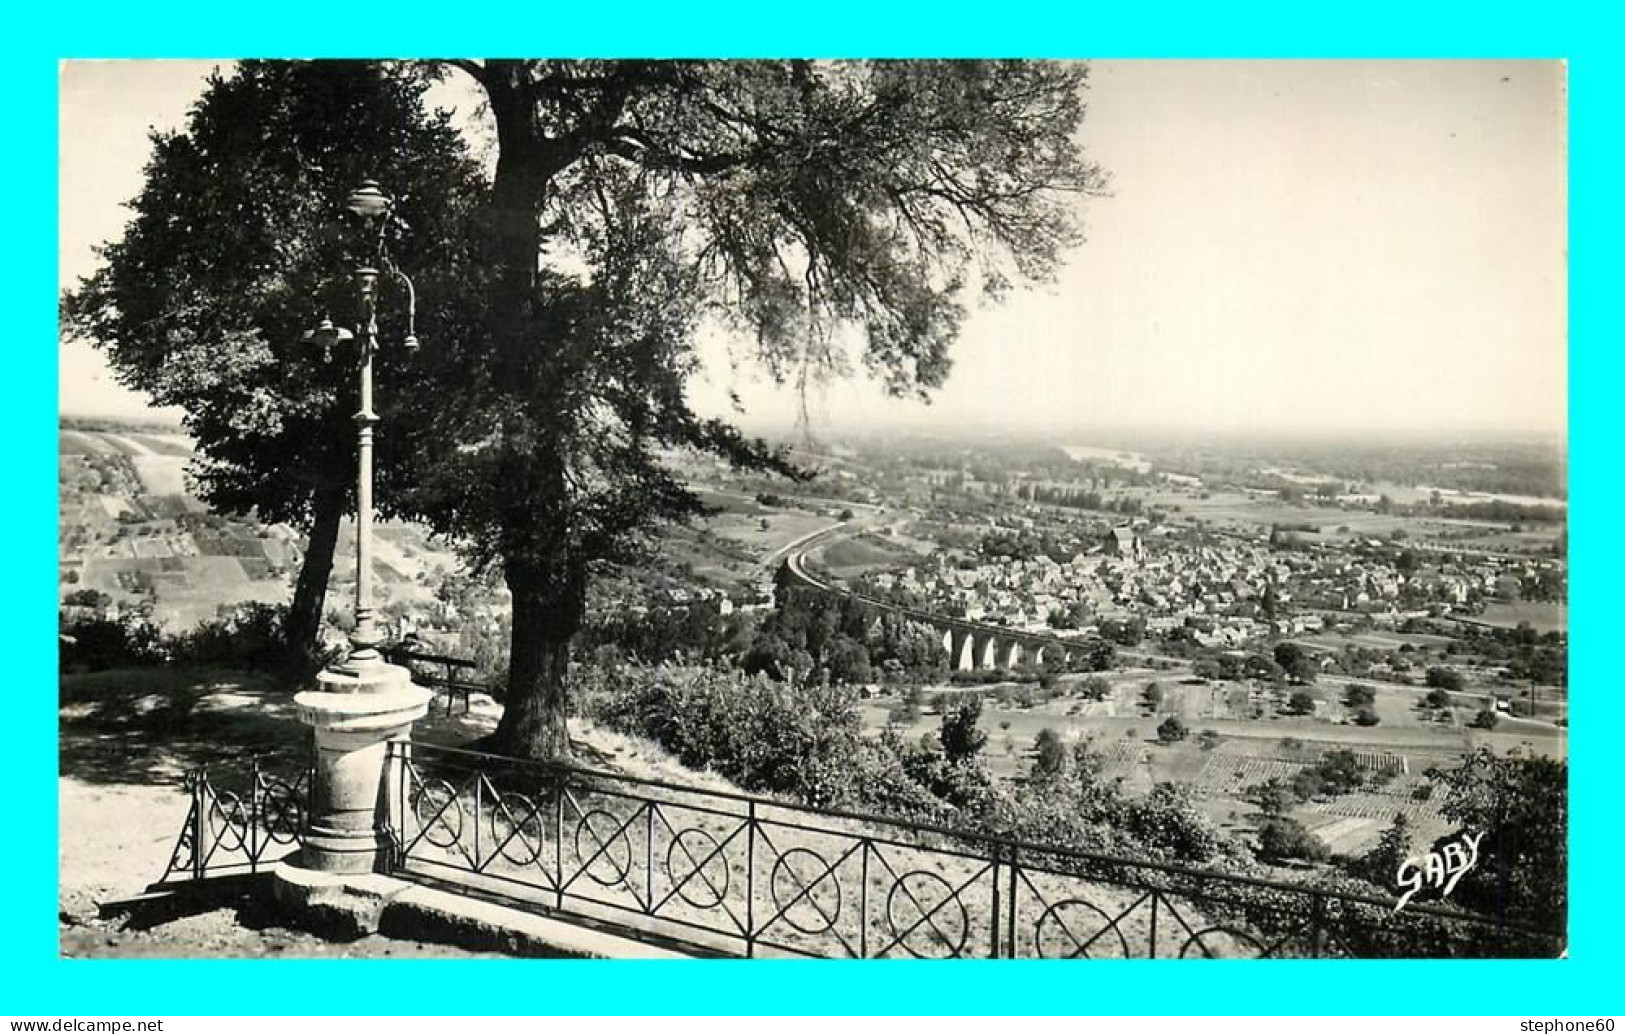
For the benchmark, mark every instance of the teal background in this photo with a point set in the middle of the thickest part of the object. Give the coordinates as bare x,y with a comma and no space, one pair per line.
36,36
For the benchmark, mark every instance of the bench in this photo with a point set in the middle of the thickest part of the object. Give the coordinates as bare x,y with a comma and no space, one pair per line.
453,686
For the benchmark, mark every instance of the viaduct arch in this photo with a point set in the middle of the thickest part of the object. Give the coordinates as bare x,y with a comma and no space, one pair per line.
969,645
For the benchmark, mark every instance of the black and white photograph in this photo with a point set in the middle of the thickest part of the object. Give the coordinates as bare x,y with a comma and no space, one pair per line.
630,509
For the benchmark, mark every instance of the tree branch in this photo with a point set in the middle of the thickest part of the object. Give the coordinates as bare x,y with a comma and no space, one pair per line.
473,68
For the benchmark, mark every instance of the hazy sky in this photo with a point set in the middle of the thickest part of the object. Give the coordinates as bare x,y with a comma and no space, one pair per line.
1287,245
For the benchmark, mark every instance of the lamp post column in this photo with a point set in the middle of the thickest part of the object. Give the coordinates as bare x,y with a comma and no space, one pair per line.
363,704
364,640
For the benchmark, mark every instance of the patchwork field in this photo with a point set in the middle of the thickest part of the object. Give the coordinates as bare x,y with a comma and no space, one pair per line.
736,546
129,529
1542,617
850,557
1245,751
1241,512
160,474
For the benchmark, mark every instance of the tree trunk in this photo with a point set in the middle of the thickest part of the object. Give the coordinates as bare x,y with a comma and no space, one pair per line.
303,628
547,610
547,577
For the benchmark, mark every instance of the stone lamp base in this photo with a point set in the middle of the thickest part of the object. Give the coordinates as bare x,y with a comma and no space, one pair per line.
355,715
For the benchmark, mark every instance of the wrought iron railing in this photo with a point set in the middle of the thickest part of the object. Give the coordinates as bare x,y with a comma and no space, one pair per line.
238,831
737,874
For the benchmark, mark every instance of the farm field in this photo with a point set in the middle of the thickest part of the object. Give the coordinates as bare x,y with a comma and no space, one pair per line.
1542,617
127,524
850,557
784,527
1409,740
161,474
1241,512
731,548
128,529
75,443
1376,639
1248,753
1124,715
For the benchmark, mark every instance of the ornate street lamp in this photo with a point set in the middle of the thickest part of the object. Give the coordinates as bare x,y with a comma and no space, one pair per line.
362,709
372,210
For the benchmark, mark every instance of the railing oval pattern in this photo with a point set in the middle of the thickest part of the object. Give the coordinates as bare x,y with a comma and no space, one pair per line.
235,831
732,874
1075,928
931,911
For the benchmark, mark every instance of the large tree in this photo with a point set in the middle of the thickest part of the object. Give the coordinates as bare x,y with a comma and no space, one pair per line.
233,252
815,205
1519,805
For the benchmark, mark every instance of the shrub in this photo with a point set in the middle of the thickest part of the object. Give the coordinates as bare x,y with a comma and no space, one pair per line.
1339,772
1366,716
1051,753
1308,784
1438,698
1300,702
1444,678
1172,730
1273,797
961,738
97,642
87,598
1281,838
1520,804
1485,719
881,782
1206,668
1168,821
966,783
913,697
802,742
245,635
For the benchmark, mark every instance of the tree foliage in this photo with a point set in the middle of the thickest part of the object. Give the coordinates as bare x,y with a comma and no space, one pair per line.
1283,838
808,204
231,254
961,737
1445,679
1273,797
1520,803
1485,719
1380,865
1050,754
1300,702
1172,730
1298,664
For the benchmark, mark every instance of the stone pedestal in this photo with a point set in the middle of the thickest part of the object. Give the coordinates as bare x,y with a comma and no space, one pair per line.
356,714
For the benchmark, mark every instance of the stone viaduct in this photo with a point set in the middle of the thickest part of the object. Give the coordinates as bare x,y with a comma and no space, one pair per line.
970,645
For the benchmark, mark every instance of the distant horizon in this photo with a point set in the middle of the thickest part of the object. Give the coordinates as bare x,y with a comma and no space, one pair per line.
1097,435
1289,247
